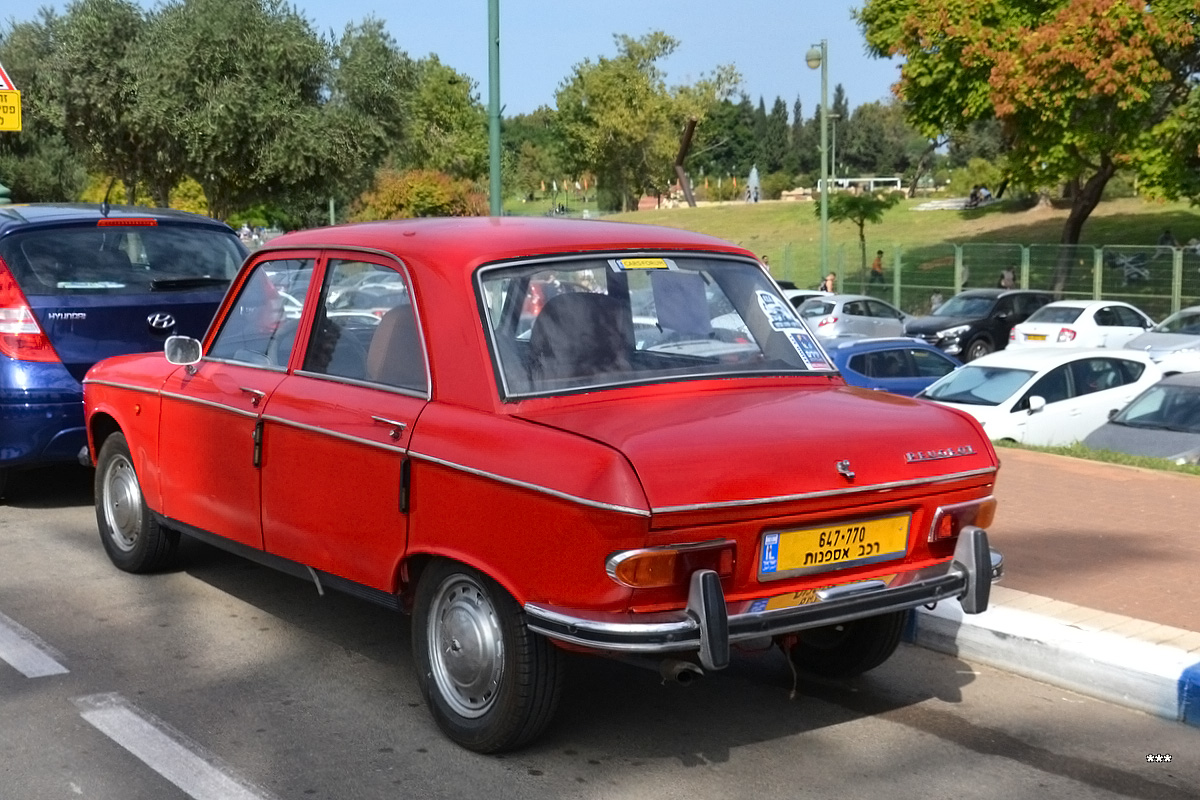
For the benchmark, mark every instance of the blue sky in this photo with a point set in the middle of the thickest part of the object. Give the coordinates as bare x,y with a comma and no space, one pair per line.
541,41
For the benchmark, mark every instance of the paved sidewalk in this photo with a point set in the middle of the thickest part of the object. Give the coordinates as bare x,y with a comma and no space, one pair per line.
1100,589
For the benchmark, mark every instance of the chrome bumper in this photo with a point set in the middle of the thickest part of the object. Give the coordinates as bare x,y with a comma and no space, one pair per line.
709,625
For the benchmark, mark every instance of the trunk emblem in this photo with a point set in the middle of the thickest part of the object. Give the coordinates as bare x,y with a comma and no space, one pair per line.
161,322
844,468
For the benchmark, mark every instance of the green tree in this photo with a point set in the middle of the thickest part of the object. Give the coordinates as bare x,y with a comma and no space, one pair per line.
447,128
859,209
1080,87
775,138
618,120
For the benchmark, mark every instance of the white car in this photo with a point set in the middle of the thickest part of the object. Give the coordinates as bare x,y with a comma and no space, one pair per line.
1081,323
1174,343
1051,396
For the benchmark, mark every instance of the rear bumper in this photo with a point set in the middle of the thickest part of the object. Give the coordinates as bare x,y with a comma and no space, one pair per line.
709,625
40,433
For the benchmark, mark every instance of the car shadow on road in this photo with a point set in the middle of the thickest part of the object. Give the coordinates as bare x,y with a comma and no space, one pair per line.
59,486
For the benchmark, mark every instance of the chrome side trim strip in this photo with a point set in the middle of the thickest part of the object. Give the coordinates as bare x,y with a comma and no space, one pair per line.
758,501
210,404
641,512
126,386
345,437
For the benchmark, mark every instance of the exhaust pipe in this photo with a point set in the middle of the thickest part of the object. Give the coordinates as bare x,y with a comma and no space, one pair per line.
682,672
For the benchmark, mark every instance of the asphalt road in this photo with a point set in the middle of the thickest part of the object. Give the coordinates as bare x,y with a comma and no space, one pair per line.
232,681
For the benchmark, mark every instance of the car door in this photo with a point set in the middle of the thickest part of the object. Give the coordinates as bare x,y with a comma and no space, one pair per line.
888,321
211,423
1118,324
335,474
857,320
1054,423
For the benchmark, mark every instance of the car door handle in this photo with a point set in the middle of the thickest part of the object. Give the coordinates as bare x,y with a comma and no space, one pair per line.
397,427
256,396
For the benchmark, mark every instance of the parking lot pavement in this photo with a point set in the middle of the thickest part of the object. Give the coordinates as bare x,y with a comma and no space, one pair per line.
1099,594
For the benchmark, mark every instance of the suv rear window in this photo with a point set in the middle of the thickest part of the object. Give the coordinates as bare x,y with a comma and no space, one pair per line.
121,260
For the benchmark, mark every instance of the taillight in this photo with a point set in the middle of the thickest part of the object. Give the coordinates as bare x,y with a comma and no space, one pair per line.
826,321
1012,335
20,335
670,565
1066,335
948,521
125,222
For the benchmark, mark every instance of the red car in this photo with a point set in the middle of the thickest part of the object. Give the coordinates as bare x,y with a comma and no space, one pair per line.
618,475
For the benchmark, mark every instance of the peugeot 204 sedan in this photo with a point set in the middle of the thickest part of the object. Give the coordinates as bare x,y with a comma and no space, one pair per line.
527,478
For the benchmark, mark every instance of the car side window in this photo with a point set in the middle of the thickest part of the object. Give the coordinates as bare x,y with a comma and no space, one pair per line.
260,326
855,309
880,310
931,365
1107,317
366,329
1052,387
1128,371
1128,318
1095,375
1006,305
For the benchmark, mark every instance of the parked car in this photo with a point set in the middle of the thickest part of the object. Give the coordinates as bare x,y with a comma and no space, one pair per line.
899,365
1051,396
978,321
1174,343
852,315
797,296
1081,323
522,493
1161,422
81,282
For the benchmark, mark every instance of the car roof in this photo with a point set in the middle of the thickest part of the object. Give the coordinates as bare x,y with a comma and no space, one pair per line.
451,244
1183,379
1039,358
994,293
26,215
877,343
1086,304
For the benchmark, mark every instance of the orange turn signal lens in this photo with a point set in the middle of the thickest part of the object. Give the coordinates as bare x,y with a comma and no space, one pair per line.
671,565
949,521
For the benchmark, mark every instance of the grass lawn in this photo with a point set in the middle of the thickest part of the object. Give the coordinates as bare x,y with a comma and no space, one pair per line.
790,233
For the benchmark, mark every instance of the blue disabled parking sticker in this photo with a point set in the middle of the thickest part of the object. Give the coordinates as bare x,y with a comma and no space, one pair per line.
770,553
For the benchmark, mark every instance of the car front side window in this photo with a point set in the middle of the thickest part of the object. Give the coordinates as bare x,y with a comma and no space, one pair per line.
260,326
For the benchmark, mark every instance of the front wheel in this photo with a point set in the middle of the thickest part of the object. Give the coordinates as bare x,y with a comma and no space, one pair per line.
490,683
978,348
133,539
850,648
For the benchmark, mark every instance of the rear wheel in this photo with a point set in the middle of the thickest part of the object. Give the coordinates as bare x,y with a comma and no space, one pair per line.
850,648
133,539
490,683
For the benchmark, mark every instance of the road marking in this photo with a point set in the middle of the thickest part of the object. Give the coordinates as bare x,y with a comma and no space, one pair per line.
25,652
164,750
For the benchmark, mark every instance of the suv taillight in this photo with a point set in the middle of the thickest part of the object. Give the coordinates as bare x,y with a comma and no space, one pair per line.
20,335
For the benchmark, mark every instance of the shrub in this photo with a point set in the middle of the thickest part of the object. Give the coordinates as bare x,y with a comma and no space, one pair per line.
418,193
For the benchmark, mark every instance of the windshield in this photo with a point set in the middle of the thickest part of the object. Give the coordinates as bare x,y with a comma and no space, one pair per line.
962,305
127,259
978,386
602,321
1173,408
1182,322
1055,314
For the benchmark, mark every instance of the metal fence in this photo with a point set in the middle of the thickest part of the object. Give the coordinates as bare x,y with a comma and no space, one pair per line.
1158,280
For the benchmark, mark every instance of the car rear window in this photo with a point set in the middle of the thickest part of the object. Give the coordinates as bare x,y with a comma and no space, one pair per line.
130,259
1056,314
592,322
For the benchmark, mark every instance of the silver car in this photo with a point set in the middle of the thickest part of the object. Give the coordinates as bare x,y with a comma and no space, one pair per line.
855,315
1174,343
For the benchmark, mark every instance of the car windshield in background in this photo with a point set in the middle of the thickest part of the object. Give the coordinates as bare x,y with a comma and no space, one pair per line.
1171,408
1182,322
1059,314
964,306
587,323
126,259
978,386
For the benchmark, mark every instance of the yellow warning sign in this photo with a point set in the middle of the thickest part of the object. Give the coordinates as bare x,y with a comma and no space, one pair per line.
10,110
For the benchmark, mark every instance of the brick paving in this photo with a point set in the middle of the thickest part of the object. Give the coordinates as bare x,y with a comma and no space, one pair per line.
1119,539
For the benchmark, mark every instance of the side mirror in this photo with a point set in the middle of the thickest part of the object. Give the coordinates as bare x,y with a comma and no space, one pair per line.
1036,403
182,350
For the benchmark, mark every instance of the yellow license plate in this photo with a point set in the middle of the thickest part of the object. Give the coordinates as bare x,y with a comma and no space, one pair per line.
1035,337
804,551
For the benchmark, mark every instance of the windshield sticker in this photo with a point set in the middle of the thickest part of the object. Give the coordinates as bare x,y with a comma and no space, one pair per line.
90,285
623,264
777,312
807,347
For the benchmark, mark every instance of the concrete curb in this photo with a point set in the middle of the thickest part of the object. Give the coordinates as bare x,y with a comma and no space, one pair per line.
1141,665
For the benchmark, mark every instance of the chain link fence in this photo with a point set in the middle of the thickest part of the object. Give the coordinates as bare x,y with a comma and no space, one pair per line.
1160,280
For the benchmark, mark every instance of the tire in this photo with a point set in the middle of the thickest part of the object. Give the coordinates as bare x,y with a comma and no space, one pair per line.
851,648
978,348
491,684
133,539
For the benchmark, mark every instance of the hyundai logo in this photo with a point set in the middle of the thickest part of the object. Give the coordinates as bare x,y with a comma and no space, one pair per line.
161,322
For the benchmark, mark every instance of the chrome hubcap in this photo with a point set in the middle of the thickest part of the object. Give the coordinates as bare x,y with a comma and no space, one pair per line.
465,645
122,502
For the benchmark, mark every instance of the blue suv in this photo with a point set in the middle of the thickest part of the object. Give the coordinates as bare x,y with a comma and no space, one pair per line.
81,282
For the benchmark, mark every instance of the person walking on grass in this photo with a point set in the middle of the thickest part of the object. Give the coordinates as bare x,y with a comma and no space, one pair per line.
877,268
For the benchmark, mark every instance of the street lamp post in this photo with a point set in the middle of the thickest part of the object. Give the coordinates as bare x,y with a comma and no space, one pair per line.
818,56
495,205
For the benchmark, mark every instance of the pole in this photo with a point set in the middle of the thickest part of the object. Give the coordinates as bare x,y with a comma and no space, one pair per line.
494,187
824,158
